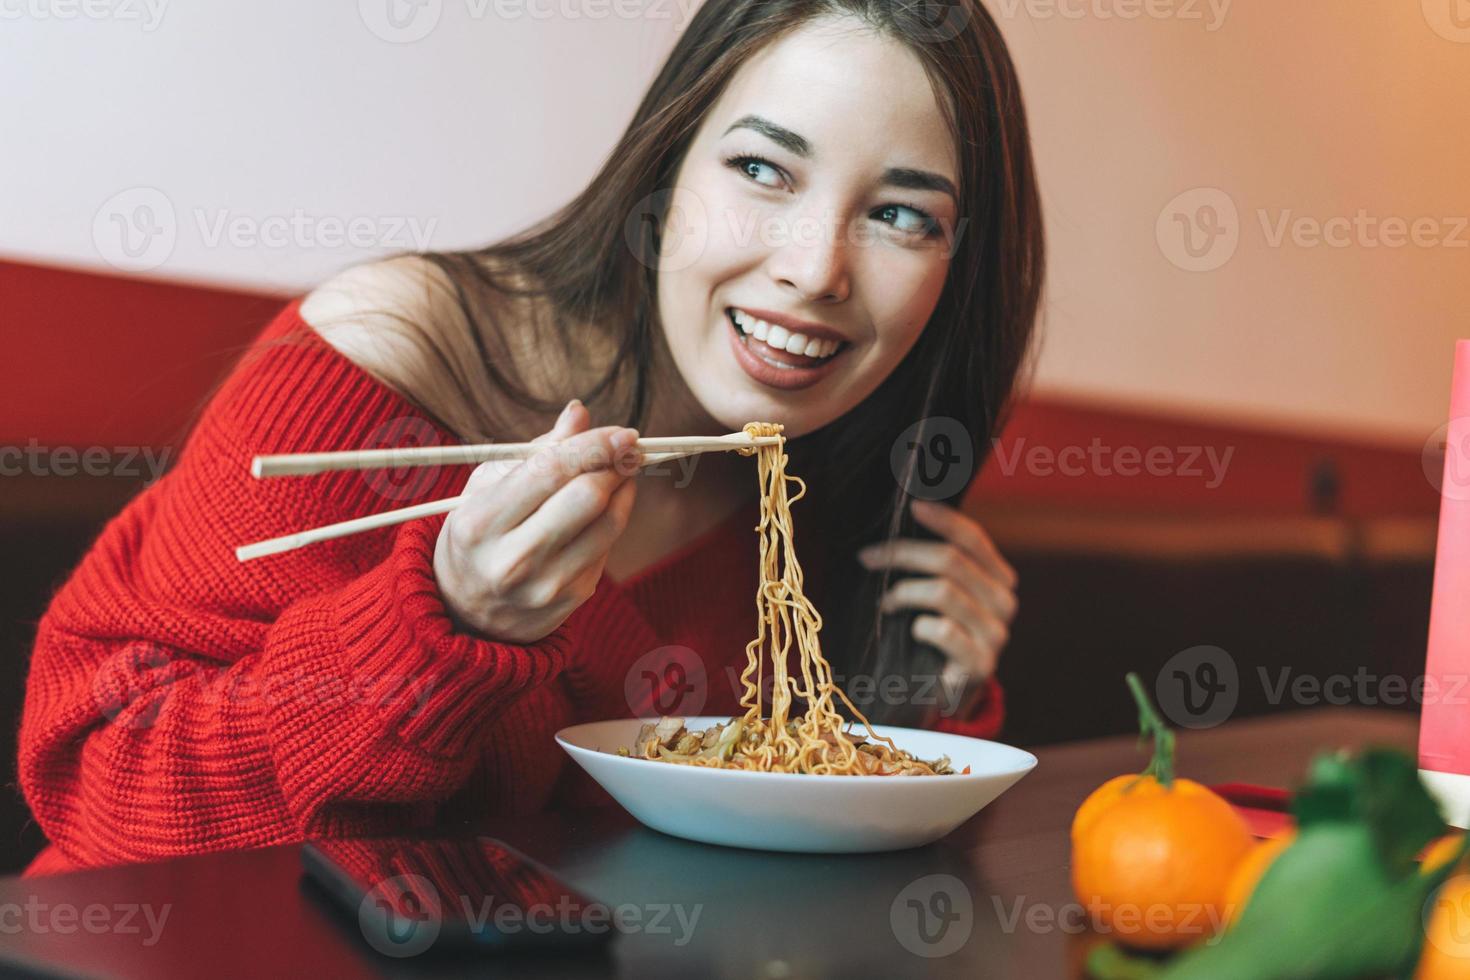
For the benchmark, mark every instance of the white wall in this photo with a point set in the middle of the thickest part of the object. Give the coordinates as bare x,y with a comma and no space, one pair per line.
256,112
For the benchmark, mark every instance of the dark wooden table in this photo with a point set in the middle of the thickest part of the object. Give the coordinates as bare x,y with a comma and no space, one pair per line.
760,915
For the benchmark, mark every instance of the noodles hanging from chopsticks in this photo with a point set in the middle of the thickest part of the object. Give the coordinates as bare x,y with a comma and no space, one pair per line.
815,741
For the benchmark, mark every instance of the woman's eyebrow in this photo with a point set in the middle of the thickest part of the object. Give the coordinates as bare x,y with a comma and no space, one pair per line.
905,177
777,134
919,180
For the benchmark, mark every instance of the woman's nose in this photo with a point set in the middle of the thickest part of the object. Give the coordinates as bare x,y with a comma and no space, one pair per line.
814,260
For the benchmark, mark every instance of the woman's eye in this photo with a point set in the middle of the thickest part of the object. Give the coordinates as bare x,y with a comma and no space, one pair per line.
760,171
909,220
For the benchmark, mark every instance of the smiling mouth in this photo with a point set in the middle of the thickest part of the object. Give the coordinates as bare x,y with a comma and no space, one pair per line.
780,347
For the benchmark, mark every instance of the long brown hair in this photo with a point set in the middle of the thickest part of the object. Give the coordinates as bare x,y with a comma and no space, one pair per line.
594,262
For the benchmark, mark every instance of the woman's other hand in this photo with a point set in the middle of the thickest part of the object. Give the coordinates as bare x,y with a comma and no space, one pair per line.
965,589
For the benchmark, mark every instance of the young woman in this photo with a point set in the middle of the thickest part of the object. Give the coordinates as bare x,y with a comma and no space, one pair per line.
823,214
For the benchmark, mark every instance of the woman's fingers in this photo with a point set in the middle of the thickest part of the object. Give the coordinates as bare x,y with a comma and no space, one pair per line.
968,597
970,635
526,548
519,494
975,658
586,555
569,513
574,418
943,596
966,533
943,559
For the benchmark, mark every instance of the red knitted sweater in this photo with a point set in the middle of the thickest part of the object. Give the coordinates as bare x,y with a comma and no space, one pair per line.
180,701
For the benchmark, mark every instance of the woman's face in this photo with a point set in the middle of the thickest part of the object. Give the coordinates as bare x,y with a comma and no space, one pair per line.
810,230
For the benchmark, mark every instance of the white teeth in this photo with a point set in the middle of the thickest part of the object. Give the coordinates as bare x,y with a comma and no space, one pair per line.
783,339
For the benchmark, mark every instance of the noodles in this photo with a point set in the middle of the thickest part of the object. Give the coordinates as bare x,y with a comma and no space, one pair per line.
815,741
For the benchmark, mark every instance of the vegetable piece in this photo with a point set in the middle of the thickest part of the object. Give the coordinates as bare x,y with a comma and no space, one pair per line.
724,745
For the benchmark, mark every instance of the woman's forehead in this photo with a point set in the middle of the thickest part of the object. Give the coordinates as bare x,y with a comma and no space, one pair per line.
853,94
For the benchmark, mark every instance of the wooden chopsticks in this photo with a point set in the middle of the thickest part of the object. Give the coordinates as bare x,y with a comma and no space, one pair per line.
655,450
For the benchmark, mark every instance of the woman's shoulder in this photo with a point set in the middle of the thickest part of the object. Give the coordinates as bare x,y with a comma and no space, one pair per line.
297,388
405,321
377,314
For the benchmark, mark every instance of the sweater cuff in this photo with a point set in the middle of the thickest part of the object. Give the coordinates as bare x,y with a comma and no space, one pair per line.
398,632
985,718
404,667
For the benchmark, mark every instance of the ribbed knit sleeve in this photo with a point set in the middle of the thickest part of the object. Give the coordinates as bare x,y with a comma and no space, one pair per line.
181,701
985,719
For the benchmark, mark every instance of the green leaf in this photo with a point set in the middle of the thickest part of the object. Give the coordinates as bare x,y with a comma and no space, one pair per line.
1329,794
1345,900
1379,787
1325,908
1400,812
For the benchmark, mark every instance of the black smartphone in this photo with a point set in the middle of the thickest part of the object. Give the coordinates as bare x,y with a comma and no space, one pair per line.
925,700
416,895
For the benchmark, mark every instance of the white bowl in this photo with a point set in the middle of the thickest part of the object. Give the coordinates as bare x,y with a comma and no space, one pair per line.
775,811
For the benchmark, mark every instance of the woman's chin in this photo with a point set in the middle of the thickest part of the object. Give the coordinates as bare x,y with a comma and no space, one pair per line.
796,422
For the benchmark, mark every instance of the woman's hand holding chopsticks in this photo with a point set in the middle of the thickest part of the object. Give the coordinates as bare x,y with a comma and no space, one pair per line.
656,450
527,544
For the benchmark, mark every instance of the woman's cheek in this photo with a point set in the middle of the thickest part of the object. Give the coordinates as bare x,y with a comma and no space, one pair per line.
736,230
908,293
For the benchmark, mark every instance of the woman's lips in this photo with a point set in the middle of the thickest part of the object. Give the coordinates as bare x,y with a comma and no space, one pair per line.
756,358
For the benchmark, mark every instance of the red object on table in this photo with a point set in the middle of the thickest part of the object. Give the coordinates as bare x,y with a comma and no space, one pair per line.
1263,807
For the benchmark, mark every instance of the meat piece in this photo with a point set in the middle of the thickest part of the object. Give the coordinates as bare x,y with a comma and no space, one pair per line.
668,730
688,744
644,736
